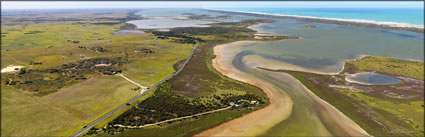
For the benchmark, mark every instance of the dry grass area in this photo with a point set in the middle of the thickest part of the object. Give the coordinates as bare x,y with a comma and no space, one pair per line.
64,112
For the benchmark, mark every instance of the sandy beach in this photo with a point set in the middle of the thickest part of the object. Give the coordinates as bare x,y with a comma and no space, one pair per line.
280,107
348,22
249,125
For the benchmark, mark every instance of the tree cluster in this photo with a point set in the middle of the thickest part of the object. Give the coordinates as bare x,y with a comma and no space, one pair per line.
184,38
164,105
44,81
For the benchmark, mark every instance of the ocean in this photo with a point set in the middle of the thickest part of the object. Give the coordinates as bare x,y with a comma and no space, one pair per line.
405,16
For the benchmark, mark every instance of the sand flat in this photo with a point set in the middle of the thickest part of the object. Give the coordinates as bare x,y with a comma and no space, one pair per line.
280,107
259,121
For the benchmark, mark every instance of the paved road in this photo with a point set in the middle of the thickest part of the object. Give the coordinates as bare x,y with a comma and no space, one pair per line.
174,119
140,95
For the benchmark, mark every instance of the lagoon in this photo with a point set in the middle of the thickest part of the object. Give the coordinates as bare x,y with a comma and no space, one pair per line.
371,78
125,32
326,47
323,49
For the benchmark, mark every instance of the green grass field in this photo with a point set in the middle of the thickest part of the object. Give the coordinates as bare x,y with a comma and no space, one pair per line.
69,109
407,118
63,112
413,69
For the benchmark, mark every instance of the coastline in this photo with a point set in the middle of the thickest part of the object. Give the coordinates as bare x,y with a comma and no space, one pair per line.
348,22
243,126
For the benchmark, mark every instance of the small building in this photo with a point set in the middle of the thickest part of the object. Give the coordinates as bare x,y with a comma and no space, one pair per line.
112,72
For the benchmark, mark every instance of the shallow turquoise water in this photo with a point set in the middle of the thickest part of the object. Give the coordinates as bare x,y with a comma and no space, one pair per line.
413,16
328,46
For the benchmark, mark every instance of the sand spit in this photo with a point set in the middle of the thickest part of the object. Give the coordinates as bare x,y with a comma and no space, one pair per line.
278,65
280,106
334,116
348,22
256,122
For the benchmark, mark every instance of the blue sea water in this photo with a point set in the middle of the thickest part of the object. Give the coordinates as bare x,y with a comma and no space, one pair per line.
413,16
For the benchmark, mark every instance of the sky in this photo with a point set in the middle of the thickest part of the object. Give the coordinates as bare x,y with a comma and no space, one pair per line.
206,4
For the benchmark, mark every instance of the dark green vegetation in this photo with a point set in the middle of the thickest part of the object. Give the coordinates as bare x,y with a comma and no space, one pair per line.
218,32
243,23
177,37
45,81
382,110
308,27
186,127
199,17
155,109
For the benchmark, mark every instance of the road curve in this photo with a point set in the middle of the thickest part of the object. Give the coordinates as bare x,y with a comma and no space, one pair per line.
138,96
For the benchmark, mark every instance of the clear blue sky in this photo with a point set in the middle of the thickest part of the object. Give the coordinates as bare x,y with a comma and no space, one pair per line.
209,4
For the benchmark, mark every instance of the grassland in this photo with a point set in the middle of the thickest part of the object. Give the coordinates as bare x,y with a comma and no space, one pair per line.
409,115
412,69
56,42
378,114
63,112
